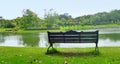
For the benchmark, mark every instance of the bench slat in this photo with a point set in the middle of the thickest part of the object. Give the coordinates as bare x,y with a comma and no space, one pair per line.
73,36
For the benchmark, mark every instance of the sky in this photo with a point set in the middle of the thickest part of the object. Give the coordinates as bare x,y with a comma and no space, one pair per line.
10,9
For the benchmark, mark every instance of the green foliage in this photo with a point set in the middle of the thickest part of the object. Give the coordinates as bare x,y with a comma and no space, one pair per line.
100,18
30,19
53,20
75,27
7,24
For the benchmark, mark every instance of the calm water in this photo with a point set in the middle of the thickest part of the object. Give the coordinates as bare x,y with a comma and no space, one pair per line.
107,37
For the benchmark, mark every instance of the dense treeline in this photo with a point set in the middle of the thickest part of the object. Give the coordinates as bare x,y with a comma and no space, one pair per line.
53,20
112,17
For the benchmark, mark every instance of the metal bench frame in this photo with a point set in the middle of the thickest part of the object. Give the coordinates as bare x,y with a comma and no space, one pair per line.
73,37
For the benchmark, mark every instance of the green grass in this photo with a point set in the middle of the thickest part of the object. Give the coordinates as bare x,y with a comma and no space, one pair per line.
27,31
75,27
24,55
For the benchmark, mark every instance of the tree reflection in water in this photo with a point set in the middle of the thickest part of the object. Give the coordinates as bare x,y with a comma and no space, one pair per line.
2,38
30,39
113,37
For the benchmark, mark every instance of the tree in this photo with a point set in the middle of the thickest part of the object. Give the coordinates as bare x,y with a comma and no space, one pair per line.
1,21
52,19
30,19
8,24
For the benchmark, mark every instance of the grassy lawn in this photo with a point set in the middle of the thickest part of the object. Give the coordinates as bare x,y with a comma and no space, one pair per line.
24,55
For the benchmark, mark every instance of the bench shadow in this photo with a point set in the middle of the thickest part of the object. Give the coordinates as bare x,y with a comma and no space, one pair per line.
75,53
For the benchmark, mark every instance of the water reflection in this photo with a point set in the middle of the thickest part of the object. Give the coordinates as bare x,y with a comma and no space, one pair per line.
11,39
23,39
44,40
113,36
1,38
30,39
41,40
110,39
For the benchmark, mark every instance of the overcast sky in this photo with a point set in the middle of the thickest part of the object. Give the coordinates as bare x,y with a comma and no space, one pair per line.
10,9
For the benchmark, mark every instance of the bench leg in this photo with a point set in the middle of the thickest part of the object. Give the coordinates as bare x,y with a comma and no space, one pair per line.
96,48
51,45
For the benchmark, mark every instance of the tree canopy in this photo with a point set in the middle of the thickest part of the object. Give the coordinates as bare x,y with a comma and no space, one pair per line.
53,20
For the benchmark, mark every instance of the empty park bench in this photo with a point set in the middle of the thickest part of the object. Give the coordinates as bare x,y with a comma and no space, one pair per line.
73,37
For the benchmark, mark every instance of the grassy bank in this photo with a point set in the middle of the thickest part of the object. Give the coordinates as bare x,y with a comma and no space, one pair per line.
62,28
17,55
26,31
75,27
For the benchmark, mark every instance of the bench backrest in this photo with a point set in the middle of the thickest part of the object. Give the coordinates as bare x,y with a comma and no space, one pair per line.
73,37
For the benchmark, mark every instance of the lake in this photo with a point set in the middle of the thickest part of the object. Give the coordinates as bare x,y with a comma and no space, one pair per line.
107,37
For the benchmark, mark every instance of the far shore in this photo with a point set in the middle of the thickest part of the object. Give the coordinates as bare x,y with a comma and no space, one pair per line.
64,28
